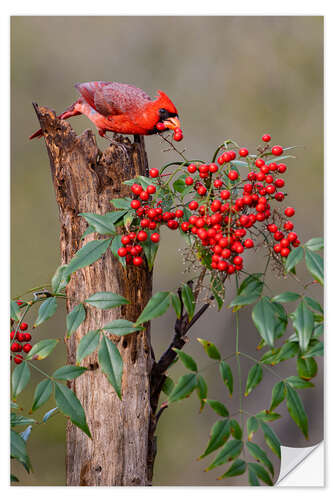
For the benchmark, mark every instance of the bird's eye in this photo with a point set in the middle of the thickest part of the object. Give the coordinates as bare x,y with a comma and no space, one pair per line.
163,113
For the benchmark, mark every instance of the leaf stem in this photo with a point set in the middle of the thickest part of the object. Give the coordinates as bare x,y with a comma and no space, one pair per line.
260,363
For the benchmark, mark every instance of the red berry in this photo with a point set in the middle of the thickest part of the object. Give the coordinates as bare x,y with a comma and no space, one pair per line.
153,172
138,249
202,190
151,189
226,156
193,205
27,337
132,235
284,243
279,183
145,223
222,265
288,226
160,126
278,236
233,175
220,160
18,359
19,302
137,261
27,347
189,181
20,337
15,347
23,326
192,168
272,167
218,183
238,260
243,152
172,224
285,252
142,235
144,195
231,269
266,137
248,243
272,228
135,204
292,237
282,168
213,168
125,239
279,196
179,214
136,189
277,248
289,211
122,251
177,136
225,194
155,237
259,162
277,150
185,226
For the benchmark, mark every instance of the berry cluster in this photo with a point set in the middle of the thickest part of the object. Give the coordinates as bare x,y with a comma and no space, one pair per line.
226,214
20,339
177,133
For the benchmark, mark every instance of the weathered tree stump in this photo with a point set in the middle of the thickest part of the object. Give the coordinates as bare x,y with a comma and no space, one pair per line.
121,451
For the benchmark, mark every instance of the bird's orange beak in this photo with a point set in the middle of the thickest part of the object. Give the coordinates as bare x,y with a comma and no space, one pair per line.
172,123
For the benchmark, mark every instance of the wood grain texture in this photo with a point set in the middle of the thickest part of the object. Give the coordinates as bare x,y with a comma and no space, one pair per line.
121,451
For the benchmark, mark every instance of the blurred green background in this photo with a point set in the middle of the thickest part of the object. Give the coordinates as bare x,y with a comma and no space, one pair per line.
230,77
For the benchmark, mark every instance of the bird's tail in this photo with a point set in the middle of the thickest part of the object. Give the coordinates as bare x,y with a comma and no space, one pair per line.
71,111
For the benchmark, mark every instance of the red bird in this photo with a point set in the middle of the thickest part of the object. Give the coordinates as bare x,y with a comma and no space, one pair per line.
123,109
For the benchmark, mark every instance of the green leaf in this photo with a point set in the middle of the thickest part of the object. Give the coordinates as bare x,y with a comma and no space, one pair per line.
294,258
235,429
281,319
260,455
88,254
296,409
15,312
210,349
188,300
298,383
18,450
121,327
176,304
252,425
106,300
202,390
229,451
102,224
227,376
14,479
89,230
20,420
268,416
150,250
244,300
315,244
187,360
316,349
217,288
168,386
286,297
263,316
42,349
122,203
46,310
60,279
307,368
219,435
70,406
252,284
303,323
68,372
271,439
278,395
87,345
157,305
313,304
42,393
20,378
179,185
253,480
75,318
237,469
287,351
258,471
253,379
315,265
218,407
115,245
185,386
111,363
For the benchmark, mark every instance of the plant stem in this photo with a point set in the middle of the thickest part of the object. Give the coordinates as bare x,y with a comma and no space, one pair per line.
39,370
260,363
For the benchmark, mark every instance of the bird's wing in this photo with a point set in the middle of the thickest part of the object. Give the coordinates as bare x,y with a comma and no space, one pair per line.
112,98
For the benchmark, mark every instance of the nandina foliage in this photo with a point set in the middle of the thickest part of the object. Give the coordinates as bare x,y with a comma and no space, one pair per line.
224,209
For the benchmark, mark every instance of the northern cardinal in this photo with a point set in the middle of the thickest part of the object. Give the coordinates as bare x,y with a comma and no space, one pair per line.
123,109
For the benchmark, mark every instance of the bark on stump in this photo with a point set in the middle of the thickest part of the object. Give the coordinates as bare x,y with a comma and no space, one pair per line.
121,450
